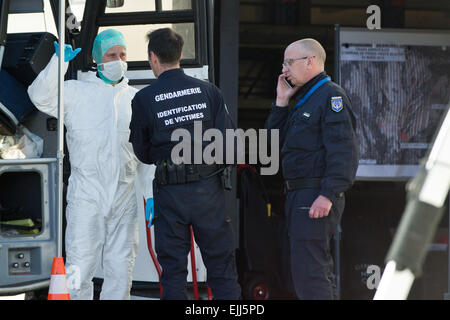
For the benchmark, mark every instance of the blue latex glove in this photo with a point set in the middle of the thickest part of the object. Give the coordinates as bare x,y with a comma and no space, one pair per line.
149,211
69,53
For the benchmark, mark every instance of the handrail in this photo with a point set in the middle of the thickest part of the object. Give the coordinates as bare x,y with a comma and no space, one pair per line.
24,288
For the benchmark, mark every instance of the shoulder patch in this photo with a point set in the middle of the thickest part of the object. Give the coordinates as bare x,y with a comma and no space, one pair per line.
337,104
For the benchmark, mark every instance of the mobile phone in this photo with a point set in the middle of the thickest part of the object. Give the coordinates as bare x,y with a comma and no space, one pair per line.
289,84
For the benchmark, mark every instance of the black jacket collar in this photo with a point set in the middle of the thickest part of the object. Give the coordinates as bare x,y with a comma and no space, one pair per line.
171,73
307,86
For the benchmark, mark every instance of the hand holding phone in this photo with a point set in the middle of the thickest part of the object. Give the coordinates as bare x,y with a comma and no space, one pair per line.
289,84
285,90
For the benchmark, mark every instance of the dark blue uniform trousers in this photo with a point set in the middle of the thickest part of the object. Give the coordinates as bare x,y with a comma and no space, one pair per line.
311,262
202,205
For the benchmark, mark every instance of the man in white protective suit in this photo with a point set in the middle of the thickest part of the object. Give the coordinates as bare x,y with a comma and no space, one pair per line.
101,200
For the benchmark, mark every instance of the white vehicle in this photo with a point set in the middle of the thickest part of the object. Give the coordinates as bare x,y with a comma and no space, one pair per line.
31,221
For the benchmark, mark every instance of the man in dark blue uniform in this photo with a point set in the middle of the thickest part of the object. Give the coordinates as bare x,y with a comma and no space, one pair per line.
319,153
187,194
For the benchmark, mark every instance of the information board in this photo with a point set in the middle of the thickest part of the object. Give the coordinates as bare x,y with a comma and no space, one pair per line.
399,85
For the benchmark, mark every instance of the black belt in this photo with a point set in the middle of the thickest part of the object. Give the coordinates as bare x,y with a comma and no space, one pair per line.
303,183
170,173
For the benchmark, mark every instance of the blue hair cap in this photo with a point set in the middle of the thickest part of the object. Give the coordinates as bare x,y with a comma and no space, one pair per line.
104,41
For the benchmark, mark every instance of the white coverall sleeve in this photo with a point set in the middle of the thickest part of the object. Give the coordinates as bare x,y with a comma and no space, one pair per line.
145,174
43,92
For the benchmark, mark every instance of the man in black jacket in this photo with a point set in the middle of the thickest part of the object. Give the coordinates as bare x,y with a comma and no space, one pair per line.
319,159
190,193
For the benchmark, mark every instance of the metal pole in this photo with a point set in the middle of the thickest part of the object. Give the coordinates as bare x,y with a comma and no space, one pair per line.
337,236
337,54
60,151
4,10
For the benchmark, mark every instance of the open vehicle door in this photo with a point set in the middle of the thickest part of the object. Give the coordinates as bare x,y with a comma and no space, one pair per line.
30,214
32,189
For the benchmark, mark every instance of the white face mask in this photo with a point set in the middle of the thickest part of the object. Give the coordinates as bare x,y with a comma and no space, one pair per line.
113,70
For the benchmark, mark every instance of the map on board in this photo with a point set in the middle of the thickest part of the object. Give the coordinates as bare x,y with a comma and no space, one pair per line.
399,95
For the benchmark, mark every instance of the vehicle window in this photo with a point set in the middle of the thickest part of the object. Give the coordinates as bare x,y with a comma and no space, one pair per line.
33,22
176,5
151,5
136,38
75,13
133,6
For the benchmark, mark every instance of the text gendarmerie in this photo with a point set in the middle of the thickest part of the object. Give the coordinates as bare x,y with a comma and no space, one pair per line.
176,94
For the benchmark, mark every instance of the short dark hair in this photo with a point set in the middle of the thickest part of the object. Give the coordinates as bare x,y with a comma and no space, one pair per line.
166,44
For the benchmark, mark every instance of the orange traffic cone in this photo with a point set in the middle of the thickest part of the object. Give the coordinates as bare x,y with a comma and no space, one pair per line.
58,286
